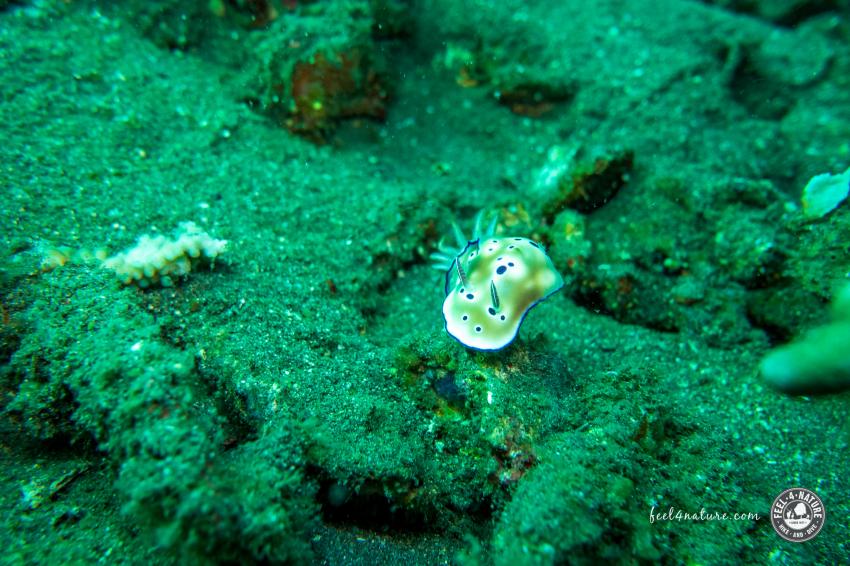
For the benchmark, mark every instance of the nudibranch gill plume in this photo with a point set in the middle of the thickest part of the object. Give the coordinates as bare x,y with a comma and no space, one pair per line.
491,284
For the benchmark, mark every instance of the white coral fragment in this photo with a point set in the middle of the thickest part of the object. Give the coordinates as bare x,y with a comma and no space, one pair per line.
823,193
158,259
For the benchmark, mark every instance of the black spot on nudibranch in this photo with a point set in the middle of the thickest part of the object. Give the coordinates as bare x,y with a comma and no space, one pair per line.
477,329
501,269
518,239
510,264
492,311
502,317
470,296
465,317
534,244
511,247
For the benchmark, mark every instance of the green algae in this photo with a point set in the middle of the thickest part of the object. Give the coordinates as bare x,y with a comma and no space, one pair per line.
301,402
149,410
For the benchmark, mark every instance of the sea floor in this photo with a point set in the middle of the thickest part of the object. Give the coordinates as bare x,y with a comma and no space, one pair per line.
292,395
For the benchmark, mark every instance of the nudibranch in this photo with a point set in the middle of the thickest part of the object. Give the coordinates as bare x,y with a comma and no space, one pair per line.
491,284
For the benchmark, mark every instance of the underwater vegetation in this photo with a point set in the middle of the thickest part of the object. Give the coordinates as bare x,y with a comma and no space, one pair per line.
649,318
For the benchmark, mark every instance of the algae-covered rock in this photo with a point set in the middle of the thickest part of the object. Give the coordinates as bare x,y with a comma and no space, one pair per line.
330,73
564,513
793,58
100,369
570,245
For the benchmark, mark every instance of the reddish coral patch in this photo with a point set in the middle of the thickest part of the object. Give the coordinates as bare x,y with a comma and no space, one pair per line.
327,90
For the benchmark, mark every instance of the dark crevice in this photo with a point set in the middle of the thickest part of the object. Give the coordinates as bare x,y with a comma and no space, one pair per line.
369,508
760,96
806,11
593,301
776,335
788,18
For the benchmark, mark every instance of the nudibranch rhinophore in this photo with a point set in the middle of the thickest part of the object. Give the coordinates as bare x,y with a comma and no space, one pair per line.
491,284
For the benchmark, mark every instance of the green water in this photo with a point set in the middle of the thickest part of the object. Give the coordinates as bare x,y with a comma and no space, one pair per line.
292,395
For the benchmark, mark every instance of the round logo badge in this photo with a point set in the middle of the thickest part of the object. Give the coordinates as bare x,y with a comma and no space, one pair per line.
797,514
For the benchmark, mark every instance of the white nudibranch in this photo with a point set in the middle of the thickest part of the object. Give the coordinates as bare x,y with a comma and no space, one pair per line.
161,260
491,284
